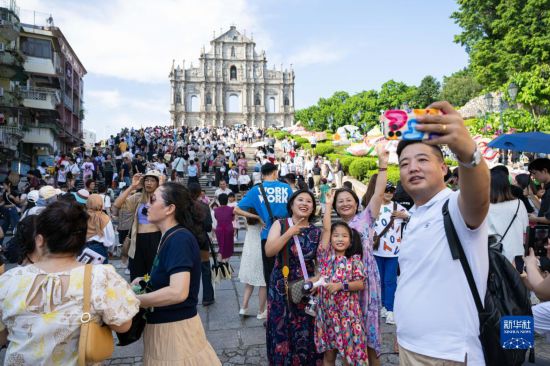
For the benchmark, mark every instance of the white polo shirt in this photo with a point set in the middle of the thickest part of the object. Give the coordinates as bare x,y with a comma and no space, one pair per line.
435,312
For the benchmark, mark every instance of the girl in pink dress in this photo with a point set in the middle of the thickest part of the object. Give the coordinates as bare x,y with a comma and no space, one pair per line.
224,228
339,325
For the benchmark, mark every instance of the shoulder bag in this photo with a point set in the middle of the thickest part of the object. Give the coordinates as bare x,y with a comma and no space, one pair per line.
96,340
295,292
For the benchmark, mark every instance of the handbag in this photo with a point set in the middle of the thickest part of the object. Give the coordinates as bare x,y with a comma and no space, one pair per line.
136,329
377,237
96,340
295,289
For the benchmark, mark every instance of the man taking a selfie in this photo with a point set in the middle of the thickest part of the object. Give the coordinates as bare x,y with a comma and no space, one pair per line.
436,316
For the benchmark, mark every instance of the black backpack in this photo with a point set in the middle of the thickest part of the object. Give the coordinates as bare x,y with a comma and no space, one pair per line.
506,295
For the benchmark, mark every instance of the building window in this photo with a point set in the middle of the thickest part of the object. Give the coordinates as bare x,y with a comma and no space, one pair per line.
287,102
194,103
35,47
233,105
208,98
257,100
271,108
233,73
232,51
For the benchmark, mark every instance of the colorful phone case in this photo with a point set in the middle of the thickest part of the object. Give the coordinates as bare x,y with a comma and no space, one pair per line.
400,124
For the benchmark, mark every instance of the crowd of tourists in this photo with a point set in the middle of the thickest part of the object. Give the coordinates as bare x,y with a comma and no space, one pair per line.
325,284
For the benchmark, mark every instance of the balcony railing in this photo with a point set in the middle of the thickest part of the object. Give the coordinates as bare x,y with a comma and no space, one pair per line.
10,5
41,98
10,136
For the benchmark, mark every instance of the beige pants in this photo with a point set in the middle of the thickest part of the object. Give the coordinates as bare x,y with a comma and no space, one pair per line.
409,358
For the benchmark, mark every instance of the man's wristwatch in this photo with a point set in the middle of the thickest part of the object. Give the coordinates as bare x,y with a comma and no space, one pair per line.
346,286
476,159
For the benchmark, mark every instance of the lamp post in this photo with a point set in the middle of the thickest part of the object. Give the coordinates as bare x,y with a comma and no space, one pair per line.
513,91
330,119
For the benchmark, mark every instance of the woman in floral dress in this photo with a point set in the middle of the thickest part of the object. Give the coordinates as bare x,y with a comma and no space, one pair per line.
290,331
346,204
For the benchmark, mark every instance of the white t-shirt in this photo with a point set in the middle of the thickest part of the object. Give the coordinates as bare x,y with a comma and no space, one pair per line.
161,167
435,312
106,201
221,191
499,217
390,242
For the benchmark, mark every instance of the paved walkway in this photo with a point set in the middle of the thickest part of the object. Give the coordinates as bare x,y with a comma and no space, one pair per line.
237,340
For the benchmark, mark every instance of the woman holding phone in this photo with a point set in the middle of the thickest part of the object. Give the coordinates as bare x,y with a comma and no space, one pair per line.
174,335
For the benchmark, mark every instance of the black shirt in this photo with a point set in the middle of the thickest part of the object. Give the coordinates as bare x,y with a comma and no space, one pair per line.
545,205
179,253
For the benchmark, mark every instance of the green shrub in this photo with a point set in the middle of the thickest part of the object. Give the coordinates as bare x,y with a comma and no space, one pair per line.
346,161
329,135
324,148
300,140
360,167
393,173
280,135
451,162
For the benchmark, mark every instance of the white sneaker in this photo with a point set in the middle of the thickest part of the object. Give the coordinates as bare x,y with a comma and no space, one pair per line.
383,312
389,318
263,315
243,312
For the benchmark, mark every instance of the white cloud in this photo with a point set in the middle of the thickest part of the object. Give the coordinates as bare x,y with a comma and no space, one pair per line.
318,53
137,40
109,98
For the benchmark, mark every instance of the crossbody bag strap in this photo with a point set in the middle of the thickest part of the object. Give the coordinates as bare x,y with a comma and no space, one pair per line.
511,222
87,288
457,252
299,251
86,317
266,201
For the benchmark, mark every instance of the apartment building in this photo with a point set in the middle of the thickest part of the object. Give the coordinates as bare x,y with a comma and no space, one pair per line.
47,94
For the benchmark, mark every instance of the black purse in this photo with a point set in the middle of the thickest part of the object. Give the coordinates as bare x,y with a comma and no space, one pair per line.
135,331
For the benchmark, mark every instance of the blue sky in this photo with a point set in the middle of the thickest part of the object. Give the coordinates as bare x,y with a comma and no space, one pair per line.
128,46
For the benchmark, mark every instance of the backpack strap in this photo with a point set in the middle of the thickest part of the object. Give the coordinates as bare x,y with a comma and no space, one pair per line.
457,252
266,201
511,222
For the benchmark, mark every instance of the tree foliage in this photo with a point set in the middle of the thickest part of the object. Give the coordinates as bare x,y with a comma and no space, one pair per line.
504,37
428,92
460,87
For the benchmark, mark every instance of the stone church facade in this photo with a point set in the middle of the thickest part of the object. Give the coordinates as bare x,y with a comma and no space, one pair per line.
232,85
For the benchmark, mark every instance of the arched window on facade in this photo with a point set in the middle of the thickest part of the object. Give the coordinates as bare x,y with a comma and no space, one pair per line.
232,51
233,73
257,100
271,105
233,104
194,103
286,101
208,98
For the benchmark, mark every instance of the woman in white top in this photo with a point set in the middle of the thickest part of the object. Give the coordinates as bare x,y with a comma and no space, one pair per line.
100,234
251,268
41,303
507,216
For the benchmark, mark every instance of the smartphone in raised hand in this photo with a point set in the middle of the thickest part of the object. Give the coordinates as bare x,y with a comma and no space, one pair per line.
400,124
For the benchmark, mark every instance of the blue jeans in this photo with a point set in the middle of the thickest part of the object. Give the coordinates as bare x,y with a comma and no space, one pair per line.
388,279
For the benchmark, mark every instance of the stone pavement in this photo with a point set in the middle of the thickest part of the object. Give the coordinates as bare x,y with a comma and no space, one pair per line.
237,340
